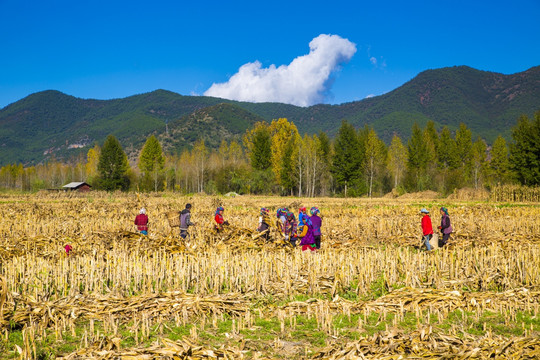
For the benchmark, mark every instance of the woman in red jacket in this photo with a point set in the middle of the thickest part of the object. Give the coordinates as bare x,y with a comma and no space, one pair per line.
141,221
427,228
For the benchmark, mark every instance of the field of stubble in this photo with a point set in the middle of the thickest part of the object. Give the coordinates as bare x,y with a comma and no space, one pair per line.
370,292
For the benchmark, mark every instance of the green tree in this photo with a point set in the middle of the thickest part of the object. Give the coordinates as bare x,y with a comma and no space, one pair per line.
431,138
347,162
418,157
261,150
113,166
447,158
151,163
464,151
499,165
525,150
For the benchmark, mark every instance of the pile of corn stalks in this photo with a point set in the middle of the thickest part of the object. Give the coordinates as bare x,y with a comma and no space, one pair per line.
425,343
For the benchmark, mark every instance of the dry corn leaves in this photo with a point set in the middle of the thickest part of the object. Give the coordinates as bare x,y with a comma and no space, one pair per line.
425,343
412,300
26,310
108,348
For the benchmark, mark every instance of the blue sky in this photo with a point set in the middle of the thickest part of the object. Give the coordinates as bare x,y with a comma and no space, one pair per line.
111,49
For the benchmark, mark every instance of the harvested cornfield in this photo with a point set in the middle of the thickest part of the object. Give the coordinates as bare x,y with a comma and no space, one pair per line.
371,291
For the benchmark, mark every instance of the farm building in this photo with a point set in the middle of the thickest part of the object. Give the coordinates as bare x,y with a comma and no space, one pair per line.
77,186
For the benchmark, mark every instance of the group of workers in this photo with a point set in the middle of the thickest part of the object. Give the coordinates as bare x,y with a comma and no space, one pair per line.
307,229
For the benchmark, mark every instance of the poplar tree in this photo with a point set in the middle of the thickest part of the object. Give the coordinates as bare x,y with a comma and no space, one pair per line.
499,165
478,162
92,160
397,159
151,163
375,154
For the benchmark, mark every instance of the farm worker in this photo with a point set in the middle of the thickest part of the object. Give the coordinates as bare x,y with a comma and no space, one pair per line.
218,217
264,223
289,228
68,249
316,223
282,218
446,228
427,228
141,221
308,241
185,221
303,218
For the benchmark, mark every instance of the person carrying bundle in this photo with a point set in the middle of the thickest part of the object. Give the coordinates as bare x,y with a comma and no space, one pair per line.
264,223
185,221
141,221
218,217
316,223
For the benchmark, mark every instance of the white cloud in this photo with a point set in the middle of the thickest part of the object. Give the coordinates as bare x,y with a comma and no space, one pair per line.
304,82
370,96
373,60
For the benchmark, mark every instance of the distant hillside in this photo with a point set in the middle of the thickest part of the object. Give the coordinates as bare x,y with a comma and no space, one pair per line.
51,123
213,124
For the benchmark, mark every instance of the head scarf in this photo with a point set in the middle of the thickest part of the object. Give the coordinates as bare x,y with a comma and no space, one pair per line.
445,210
290,215
264,211
302,209
142,211
219,209
314,210
282,212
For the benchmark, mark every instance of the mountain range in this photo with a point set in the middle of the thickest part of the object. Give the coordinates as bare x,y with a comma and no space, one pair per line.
50,124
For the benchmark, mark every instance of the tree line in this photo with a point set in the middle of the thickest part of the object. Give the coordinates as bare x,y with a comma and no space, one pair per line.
273,158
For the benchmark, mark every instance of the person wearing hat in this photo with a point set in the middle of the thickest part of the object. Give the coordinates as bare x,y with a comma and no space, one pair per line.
427,228
185,221
141,221
446,228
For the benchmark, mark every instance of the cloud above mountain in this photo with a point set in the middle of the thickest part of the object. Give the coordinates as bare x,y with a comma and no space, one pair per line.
306,81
